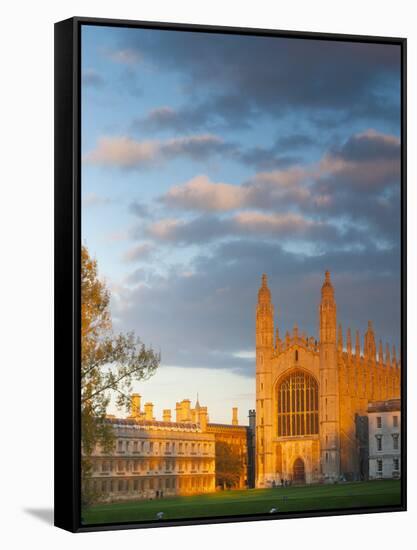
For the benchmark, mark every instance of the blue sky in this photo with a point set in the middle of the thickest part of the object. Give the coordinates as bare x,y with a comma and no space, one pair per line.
209,159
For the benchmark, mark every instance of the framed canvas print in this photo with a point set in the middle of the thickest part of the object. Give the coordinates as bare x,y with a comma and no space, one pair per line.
230,311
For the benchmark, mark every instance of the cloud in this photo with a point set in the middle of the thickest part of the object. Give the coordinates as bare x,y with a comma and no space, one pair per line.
265,189
139,209
215,308
275,224
122,152
139,252
125,56
368,159
356,181
92,79
127,153
337,82
289,227
200,193
165,117
93,199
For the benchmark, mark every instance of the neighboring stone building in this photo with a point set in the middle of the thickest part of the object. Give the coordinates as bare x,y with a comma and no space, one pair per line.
159,458
155,458
237,438
310,393
384,421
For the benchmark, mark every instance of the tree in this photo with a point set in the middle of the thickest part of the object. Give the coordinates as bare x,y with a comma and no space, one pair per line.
229,465
110,363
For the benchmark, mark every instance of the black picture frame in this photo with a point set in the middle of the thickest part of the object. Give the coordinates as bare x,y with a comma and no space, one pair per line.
67,268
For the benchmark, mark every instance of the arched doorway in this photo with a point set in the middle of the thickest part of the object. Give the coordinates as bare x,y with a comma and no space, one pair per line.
299,474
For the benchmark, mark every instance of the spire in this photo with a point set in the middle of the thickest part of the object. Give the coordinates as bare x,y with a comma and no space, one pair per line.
349,342
340,338
394,356
197,404
358,345
264,294
370,348
328,322
295,331
287,339
264,317
277,340
380,353
327,287
387,356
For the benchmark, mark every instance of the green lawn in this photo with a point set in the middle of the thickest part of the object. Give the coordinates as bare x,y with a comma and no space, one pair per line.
252,501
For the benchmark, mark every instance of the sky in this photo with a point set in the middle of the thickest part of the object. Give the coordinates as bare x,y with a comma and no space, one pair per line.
209,159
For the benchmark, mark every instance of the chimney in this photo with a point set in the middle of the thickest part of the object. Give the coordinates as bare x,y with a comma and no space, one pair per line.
149,411
202,418
186,410
166,415
135,405
235,420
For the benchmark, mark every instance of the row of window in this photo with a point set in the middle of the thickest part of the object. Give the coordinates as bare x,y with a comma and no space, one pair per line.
394,421
395,442
380,465
163,447
137,466
123,486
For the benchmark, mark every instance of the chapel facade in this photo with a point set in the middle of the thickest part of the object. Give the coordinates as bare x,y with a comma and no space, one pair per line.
311,393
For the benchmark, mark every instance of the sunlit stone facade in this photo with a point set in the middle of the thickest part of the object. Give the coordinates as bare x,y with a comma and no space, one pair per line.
311,392
161,458
154,458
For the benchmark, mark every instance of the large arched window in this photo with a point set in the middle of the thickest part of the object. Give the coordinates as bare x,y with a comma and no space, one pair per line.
298,405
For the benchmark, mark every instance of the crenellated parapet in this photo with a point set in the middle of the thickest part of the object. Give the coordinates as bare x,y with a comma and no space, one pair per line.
308,343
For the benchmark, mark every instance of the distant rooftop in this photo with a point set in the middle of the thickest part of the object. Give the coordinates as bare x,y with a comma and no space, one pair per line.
384,406
154,423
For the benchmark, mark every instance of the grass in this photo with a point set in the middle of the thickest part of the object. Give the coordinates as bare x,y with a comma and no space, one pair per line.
252,501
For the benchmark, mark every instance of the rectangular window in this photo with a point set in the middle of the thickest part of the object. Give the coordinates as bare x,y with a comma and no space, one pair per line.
395,421
379,443
395,442
379,465
120,446
135,446
379,421
396,464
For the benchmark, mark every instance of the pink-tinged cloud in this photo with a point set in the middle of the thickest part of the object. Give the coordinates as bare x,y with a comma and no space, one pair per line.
366,160
283,179
259,222
163,229
139,252
125,152
200,193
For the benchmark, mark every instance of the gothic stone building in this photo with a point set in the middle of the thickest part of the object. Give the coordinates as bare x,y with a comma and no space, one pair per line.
309,395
